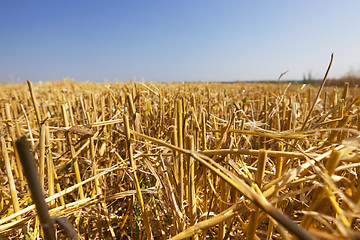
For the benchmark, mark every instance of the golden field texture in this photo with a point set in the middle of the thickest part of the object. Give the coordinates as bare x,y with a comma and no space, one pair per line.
184,160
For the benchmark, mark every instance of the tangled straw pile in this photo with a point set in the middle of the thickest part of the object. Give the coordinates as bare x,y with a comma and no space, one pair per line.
180,160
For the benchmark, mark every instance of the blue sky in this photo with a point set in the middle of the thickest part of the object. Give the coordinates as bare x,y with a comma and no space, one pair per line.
172,40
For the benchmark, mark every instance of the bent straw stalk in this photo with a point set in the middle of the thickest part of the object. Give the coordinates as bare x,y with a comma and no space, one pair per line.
238,184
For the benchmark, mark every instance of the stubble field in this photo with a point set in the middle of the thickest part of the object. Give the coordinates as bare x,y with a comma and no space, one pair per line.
179,160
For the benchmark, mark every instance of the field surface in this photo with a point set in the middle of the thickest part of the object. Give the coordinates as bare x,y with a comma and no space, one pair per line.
183,160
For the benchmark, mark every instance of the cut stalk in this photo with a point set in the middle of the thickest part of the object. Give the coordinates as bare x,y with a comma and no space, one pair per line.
253,222
50,167
189,142
34,101
18,170
179,122
10,176
136,181
42,154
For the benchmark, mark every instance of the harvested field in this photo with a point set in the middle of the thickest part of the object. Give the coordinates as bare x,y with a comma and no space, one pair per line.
180,160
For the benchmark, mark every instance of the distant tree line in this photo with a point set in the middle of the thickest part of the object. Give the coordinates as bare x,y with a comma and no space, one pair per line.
352,79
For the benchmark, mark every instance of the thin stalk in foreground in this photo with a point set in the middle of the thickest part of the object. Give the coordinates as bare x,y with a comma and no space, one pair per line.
318,94
36,190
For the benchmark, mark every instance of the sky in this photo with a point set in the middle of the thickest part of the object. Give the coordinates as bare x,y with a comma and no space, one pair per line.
187,40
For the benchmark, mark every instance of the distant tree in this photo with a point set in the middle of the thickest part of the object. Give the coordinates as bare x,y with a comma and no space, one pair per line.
308,79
